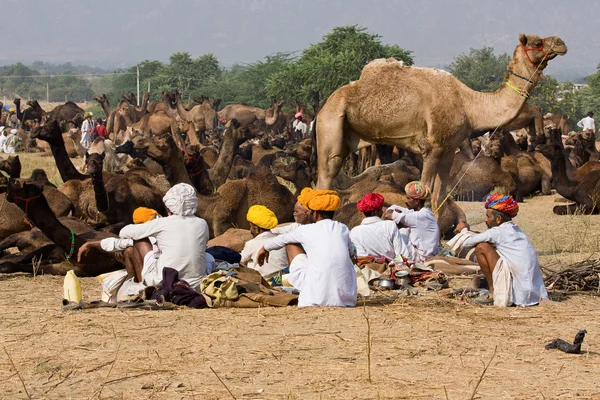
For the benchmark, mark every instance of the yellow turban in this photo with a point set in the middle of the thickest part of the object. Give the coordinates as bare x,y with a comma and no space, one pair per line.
143,214
262,217
319,200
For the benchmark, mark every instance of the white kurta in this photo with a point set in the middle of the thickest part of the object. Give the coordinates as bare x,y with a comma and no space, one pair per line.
86,133
327,278
281,230
2,142
423,231
376,237
587,123
277,258
182,242
512,245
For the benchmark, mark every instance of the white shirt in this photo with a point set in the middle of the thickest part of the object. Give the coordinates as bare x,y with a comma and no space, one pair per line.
11,143
512,244
182,242
587,123
329,279
2,142
301,126
423,231
277,258
376,237
287,228
86,129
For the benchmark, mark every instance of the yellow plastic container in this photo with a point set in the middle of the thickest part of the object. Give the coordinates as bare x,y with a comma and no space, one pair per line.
72,288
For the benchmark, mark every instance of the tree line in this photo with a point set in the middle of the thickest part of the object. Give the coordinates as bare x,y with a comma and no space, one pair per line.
308,77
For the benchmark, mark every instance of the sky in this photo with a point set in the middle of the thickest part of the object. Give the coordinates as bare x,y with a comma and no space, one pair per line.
120,33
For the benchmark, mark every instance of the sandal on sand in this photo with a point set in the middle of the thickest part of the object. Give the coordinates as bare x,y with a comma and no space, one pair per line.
70,305
484,300
99,304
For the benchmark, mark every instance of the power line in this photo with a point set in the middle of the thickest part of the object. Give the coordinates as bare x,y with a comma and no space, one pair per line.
57,75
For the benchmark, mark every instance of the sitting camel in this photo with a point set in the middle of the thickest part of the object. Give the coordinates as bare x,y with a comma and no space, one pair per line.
61,255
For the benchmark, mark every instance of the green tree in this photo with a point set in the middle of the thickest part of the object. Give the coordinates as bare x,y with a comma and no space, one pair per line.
481,69
331,63
589,96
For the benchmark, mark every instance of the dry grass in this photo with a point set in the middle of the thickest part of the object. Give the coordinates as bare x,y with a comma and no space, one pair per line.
31,161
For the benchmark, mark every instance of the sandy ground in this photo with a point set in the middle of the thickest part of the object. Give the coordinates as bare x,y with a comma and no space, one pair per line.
422,347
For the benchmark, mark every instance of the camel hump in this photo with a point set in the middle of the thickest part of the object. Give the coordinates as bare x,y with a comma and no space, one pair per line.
387,65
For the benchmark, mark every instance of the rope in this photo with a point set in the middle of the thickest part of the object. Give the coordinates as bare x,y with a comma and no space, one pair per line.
494,132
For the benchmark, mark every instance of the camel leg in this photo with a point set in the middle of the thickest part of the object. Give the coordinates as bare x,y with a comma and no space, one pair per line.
331,150
436,169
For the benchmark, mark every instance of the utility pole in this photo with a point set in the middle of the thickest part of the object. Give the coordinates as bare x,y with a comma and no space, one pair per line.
47,93
138,84
148,86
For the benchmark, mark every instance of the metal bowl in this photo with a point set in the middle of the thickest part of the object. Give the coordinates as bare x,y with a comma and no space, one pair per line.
386,283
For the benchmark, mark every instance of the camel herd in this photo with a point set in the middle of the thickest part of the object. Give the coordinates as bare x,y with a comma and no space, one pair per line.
241,155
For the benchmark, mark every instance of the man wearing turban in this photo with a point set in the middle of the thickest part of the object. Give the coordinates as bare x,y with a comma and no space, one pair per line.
181,237
261,221
300,217
417,221
87,126
374,236
318,254
506,257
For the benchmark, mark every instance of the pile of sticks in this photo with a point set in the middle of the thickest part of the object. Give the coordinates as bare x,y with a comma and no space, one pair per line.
583,276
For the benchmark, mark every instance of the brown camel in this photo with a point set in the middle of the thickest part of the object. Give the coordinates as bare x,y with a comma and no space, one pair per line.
203,116
528,173
104,103
138,187
34,113
246,115
584,192
28,197
274,118
12,219
156,124
228,206
531,119
68,112
558,121
474,179
424,110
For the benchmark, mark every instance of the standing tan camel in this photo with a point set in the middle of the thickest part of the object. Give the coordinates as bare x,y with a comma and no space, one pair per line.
423,110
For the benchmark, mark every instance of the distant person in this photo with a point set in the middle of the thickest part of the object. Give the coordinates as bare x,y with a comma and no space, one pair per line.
2,138
86,130
588,123
100,130
13,120
12,142
300,128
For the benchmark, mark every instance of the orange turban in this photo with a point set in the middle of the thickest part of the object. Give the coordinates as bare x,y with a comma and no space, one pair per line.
262,217
319,200
143,214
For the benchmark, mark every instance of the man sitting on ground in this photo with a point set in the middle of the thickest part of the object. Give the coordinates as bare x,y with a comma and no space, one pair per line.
318,254
181,237
423,229
374,236
261,220
506,257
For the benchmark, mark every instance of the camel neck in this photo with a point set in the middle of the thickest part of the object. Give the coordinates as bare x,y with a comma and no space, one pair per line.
100,193
38,211
220,170
560,180
185,114
65,167
489,111
175,171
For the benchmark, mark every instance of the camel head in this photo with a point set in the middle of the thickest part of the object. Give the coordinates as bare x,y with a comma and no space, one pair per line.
160,150
588,135
301,150
11,165
476,146
40,177
494,148
536,51
33,103
129,97
245,152
289,171
170,99
49,132
239,133
100,99
17,102
19,192
94,163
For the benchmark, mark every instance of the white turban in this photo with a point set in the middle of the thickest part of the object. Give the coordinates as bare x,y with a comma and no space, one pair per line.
181,199
14,131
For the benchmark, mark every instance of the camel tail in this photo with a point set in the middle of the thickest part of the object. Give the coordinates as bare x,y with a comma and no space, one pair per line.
313,154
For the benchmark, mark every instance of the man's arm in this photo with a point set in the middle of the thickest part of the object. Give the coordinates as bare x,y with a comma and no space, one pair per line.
580,123
279,242
482,237
142,231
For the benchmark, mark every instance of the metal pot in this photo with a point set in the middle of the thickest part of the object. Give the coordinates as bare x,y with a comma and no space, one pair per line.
386,283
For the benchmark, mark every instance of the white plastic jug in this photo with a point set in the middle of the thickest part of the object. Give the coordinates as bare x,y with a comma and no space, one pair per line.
72,288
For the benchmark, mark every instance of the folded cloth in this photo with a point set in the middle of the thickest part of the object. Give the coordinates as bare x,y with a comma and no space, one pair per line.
178,292
225,254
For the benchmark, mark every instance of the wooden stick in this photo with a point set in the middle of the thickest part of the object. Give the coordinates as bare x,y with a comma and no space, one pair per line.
222,383
483,373
18,373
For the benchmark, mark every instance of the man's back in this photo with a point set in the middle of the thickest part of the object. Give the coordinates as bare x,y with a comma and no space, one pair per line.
375,237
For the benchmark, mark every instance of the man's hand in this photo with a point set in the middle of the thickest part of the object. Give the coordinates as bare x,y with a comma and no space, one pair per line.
462,225
262,256
388,214
83,250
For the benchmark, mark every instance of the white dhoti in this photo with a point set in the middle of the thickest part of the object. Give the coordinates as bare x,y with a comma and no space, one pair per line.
502,278
151,273
298,268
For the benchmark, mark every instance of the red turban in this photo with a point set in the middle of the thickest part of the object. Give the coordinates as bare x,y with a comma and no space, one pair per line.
370,202
502,203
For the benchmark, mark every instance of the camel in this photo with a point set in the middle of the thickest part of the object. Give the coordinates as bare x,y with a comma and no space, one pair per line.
203,116
156,124
585,192
424,110
227,207
529,118
28,197
12,219
246,115
104,103
138,187
17,103
274,118
558,121
399,171
529,173
33,113
473,179
115,122
68,112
